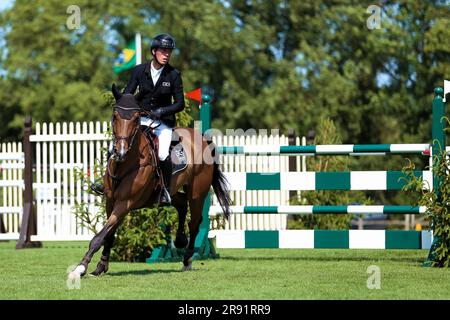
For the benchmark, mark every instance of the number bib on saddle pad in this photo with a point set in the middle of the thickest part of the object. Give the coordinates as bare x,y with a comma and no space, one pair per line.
178,157
176,150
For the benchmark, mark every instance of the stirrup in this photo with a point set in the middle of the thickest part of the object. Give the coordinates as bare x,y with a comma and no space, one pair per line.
165,199
98,188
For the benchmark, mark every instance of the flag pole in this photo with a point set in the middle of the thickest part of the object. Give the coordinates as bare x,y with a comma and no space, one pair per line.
138,49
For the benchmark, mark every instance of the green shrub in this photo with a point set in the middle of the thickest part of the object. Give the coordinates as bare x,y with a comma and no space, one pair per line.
438,207
140,232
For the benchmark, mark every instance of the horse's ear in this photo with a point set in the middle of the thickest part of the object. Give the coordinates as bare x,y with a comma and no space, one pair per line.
116,92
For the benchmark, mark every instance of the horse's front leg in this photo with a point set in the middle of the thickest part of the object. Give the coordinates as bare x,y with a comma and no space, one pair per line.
119,211
103,264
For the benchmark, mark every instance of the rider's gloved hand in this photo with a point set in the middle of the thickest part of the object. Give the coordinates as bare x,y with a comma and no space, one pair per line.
157,114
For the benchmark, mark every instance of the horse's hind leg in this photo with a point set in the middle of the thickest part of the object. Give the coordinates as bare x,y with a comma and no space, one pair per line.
196,206
179,201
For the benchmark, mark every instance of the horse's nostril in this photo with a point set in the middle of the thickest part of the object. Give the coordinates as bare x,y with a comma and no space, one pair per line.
121,155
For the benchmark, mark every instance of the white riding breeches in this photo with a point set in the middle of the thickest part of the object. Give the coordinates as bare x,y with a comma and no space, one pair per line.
164,134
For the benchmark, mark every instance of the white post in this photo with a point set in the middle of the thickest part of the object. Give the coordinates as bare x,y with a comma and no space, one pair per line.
138,49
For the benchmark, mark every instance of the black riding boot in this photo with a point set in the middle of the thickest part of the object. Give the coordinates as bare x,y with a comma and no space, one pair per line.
166,168
98,187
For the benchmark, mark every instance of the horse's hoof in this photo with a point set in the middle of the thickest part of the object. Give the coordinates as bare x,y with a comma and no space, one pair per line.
96,273
181,241
187,266
101,268
80,270
73,276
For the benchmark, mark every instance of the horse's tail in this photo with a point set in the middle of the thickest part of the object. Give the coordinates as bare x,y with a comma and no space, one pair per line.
220,186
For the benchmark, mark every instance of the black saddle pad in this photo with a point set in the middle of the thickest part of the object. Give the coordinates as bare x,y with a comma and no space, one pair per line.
179,159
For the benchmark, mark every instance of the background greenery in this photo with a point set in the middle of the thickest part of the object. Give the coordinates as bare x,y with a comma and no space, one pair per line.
272,64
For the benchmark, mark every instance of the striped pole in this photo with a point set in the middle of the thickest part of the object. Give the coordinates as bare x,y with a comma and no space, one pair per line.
351,180
324,239
313,150
304,209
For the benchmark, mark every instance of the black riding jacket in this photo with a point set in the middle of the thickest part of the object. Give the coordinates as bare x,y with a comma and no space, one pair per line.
168,86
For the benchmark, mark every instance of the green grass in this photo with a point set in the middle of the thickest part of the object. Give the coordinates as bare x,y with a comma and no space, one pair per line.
238,274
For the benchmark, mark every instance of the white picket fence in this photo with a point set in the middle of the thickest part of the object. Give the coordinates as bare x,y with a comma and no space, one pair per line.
11,188
60,148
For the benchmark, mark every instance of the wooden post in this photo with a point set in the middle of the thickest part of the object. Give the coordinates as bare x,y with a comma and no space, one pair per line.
2,226
28,226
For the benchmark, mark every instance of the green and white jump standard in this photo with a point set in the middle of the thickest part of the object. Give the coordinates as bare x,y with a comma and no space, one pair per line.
357,180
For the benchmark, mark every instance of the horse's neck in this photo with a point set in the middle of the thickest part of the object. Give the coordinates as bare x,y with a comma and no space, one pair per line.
143,148
140,152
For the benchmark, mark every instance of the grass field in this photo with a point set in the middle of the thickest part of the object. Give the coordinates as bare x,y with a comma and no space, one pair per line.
238,274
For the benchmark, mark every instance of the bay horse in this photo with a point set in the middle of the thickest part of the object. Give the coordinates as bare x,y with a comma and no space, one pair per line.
131,181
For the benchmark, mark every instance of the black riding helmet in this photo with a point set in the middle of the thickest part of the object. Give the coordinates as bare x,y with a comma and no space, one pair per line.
163,40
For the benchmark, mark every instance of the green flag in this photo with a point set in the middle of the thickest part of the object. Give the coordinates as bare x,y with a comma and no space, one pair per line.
126,59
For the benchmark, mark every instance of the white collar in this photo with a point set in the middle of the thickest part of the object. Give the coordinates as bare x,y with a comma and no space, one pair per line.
154,70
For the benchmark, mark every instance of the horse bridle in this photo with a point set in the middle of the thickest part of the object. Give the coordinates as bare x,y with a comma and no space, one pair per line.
118,138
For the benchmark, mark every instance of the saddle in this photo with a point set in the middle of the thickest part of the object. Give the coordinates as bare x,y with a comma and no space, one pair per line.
176,151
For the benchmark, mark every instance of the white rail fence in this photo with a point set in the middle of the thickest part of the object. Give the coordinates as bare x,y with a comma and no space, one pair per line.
60,148
11,186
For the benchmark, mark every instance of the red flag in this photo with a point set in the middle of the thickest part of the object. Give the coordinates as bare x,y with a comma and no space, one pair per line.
195,95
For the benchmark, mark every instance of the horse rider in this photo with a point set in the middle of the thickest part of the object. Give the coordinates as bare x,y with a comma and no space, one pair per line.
158,83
